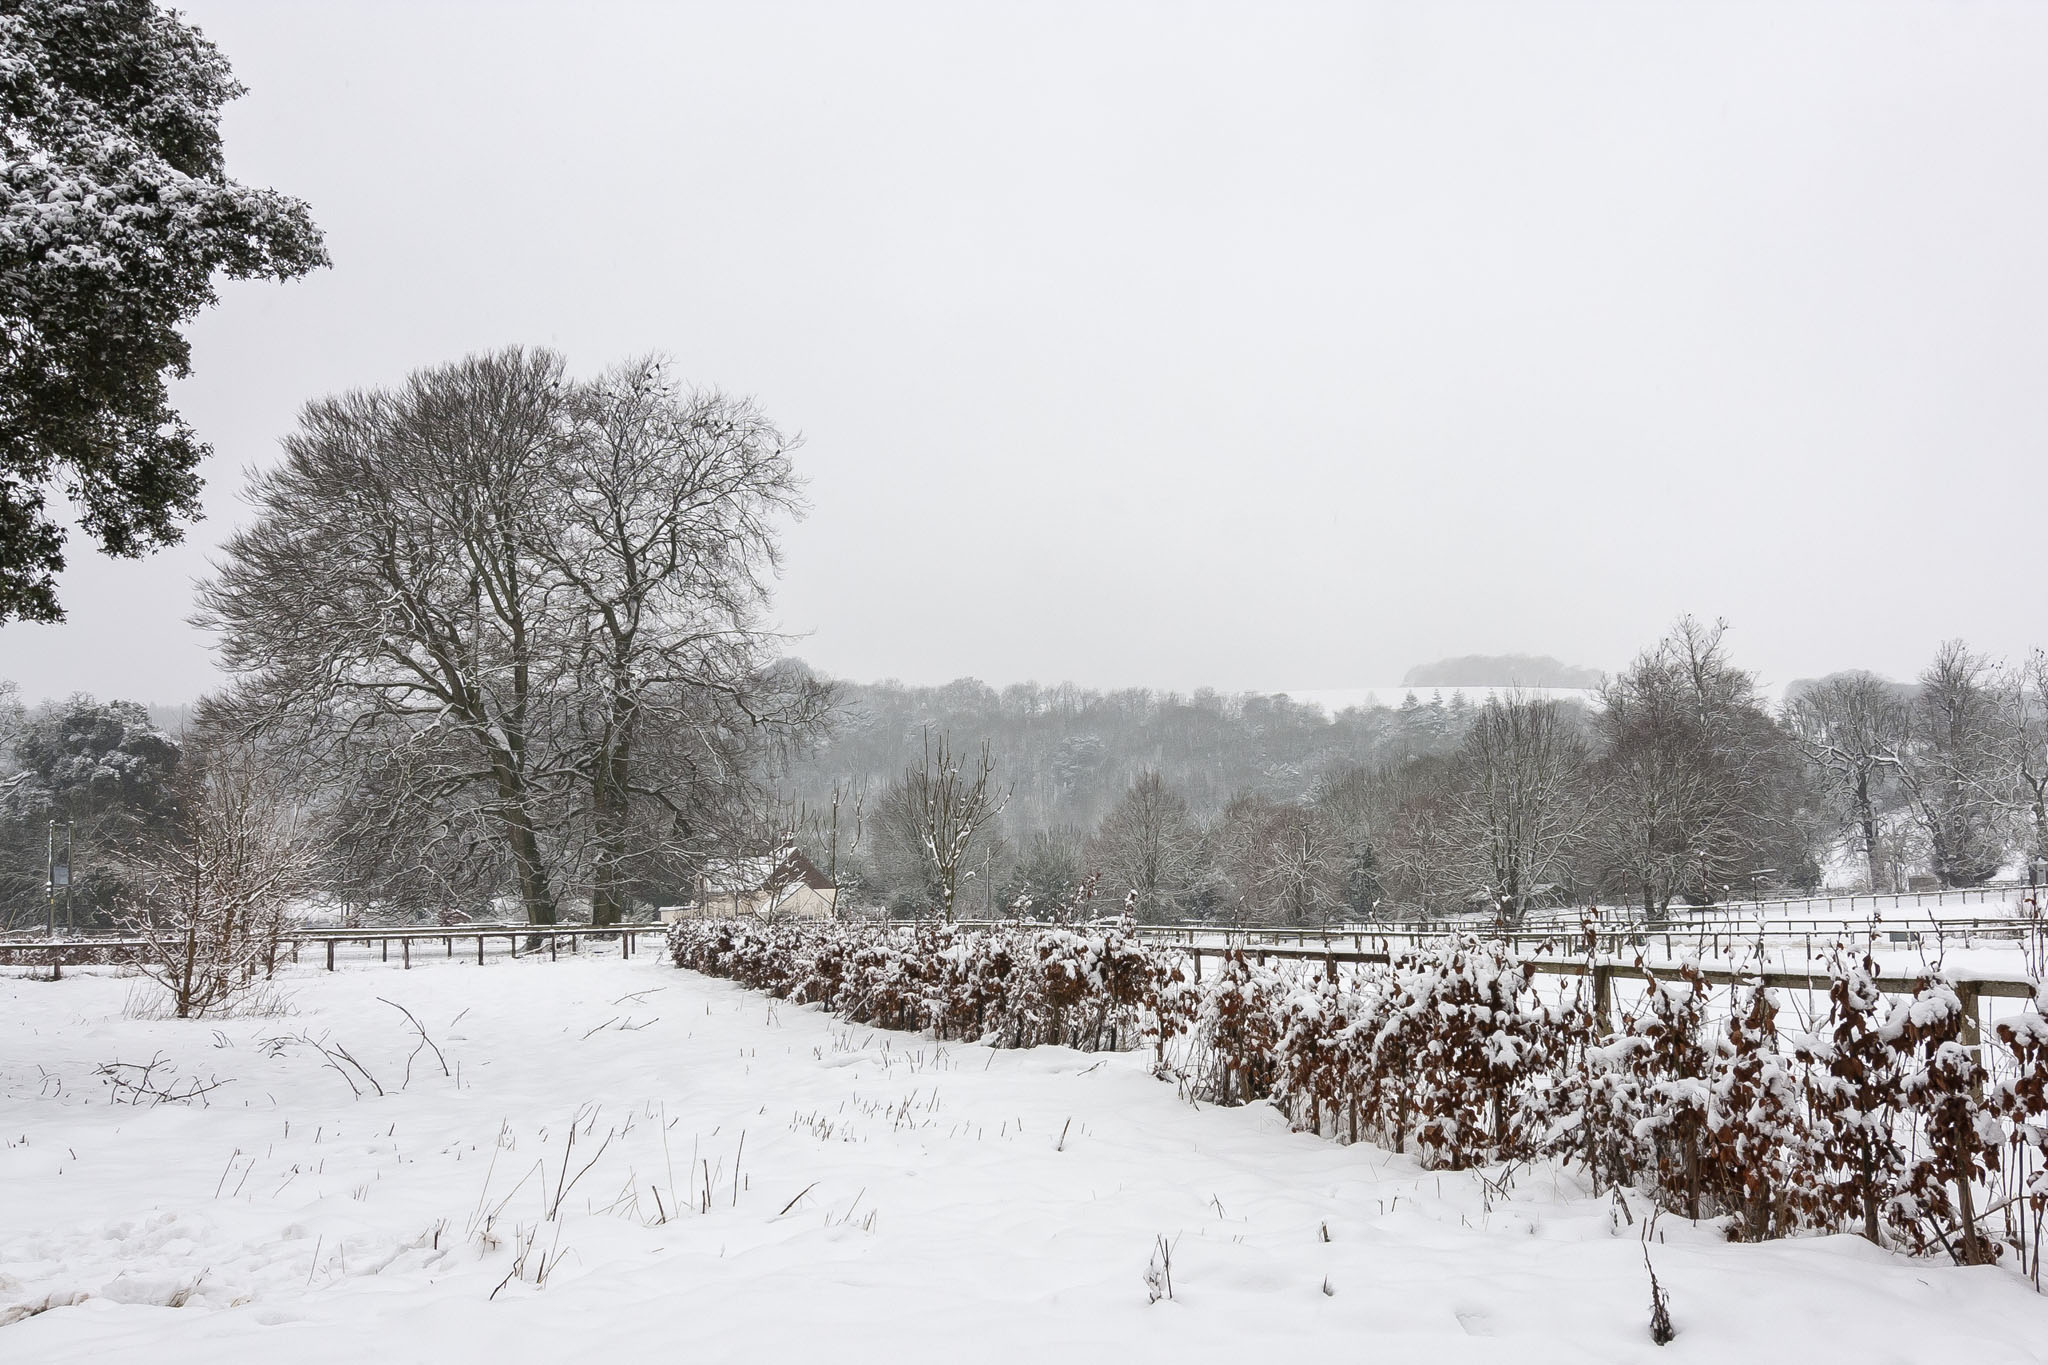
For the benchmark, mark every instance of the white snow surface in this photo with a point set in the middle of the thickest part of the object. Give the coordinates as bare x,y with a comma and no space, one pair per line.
898,1200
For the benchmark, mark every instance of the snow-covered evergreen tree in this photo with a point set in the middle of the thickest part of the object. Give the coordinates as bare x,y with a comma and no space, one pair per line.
116,216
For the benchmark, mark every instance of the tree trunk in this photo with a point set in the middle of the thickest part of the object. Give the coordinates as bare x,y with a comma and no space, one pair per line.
1974,1250
535,896
2040,805
608,891
1866,818
190,966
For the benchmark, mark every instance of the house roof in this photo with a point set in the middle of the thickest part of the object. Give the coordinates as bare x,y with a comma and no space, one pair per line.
778,871
795,867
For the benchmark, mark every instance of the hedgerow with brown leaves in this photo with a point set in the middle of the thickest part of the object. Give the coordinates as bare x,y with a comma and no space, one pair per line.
1878,1119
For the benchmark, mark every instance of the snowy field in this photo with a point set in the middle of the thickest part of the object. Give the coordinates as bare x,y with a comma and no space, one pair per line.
894,1200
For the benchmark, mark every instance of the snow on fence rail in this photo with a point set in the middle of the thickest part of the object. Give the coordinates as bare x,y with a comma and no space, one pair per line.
1893,1115
1804,940
1971,988
112,948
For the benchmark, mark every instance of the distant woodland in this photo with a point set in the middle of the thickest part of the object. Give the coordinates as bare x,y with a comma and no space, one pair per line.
498,644
1675,781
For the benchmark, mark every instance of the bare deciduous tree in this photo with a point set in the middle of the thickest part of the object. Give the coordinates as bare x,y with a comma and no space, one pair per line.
1853,727
2029,730
942,811
1521,799
386,584
1283,861
661,516
1956,771
1421,850
1150,844
527,605
212,895
1697,786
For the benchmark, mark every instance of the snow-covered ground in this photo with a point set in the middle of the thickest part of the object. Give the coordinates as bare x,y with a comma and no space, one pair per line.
896,1200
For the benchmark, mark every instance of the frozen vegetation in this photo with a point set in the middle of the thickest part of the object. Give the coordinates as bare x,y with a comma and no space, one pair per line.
612,1159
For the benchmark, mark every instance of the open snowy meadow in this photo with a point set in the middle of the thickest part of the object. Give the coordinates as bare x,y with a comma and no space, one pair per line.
613,1159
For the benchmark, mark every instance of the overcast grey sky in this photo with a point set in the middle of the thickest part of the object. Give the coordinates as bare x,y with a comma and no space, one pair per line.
1269,346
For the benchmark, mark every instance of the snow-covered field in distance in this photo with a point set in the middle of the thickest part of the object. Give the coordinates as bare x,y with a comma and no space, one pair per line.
895,1200
1335,699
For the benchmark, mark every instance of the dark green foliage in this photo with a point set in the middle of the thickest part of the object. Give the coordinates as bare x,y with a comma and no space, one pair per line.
107,776
116,216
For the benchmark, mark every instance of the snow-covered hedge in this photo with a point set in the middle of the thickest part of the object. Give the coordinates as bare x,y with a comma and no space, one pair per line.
1098,989
1877,1120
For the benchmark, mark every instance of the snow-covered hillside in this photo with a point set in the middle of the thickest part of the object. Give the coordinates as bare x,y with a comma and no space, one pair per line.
1336,699
754,1181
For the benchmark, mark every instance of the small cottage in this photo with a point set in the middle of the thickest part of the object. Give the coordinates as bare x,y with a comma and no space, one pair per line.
782,884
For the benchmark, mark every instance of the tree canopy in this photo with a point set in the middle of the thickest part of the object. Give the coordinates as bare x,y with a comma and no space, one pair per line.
116,217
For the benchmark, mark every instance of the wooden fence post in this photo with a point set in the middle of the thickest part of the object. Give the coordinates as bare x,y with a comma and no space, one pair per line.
405,947
330,954
1967,995
479,948
1603,996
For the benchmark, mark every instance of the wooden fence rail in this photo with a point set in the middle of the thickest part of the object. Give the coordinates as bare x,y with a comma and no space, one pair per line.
534,936
1971,988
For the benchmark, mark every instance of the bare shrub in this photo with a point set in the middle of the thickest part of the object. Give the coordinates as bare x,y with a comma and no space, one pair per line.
156,1081
213,892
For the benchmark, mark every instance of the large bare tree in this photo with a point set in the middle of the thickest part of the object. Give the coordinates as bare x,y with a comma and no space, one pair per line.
1521,799
1698,787
524,604
1853,727
1419,848
387,584
1957,774
663,515
1283,861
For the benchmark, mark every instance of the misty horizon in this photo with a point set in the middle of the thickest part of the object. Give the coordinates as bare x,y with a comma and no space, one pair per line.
1199,351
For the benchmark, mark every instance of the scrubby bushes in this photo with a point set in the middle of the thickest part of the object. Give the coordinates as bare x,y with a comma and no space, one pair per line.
1880,1119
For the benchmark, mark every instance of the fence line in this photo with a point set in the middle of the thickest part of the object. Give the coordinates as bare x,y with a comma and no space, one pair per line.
405,937
1808,935
1971,988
